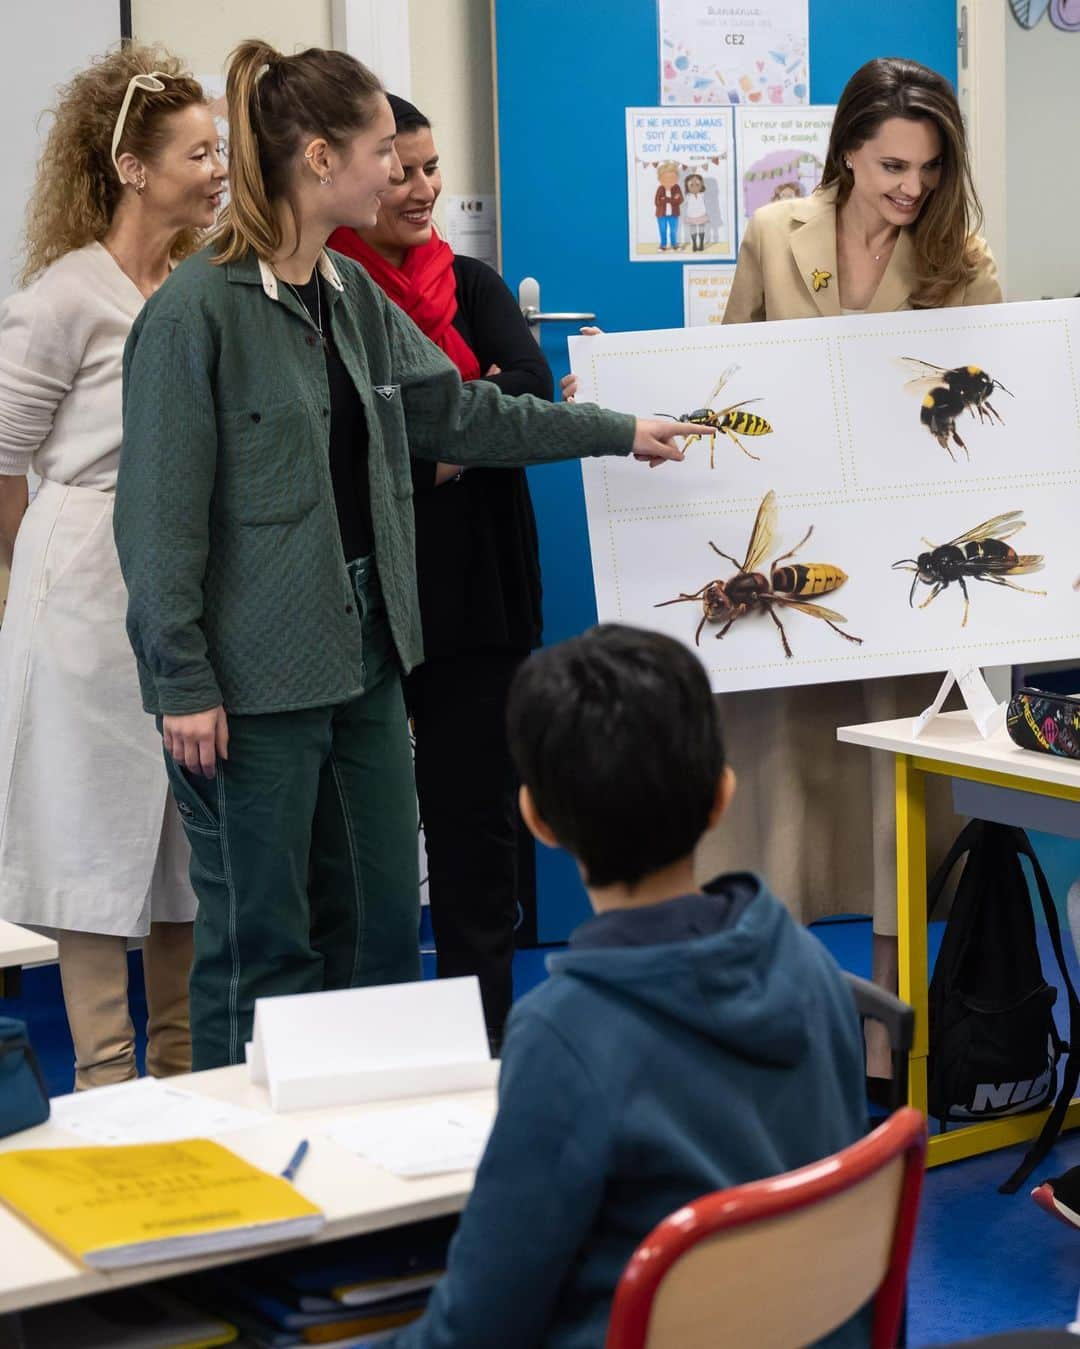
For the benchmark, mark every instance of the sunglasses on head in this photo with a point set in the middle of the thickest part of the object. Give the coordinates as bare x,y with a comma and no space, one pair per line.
153,83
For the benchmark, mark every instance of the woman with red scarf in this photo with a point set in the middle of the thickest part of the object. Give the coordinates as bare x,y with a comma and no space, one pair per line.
479,576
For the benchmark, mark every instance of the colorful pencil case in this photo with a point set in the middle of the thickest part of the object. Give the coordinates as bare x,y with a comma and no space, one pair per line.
1046,722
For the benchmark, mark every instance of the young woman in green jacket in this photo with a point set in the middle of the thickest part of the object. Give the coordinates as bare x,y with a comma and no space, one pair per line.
272,399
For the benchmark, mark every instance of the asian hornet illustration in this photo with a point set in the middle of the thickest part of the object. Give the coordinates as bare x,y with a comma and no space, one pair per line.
979,555
949,393
728,421
751,591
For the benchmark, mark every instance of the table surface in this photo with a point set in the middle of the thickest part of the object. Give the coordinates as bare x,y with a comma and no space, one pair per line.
355,1195
952,738
20,946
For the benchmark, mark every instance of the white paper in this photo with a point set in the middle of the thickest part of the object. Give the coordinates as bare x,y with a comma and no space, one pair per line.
732,52
688,155
419,1140
363,1044
780,153
842,445
705,294
470,227
147,1111
986,712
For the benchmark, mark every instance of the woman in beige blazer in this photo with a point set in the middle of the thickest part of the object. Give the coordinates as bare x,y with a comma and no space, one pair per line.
891,227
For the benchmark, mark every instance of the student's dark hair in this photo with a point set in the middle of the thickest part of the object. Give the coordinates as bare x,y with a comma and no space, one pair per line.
407,116
616,735
274,102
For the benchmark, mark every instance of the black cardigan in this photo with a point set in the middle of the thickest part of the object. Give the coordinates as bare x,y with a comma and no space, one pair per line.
477,553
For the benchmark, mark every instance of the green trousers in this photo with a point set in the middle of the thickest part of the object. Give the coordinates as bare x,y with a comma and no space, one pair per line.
304,852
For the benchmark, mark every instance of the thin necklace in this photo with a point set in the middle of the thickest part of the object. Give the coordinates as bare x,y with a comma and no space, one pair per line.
318,305
891,244
878,256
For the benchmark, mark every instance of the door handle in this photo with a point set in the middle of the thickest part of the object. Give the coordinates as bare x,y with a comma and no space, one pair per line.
529,301
533,316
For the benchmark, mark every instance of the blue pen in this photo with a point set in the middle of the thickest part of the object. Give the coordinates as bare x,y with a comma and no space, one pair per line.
294,1161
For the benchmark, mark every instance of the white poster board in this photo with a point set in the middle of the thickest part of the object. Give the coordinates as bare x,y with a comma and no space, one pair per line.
733,52
838,429
705,293
680,166
780,153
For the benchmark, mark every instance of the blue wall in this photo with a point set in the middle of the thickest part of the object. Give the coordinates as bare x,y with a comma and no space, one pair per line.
563,177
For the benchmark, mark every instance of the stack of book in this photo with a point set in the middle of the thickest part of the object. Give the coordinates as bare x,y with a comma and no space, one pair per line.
356,1292
132,1318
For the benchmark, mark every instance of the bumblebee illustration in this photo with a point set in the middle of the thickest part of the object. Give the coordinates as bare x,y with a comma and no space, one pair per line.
730,421
979,555
751,591
949,393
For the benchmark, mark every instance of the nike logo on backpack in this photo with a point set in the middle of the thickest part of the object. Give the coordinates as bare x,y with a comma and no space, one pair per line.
998,1097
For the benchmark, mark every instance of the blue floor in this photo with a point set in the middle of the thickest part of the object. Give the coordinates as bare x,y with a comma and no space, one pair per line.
983,1262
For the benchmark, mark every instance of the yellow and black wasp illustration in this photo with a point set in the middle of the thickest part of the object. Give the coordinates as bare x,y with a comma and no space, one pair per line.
730,421
979,555
751,591
949,393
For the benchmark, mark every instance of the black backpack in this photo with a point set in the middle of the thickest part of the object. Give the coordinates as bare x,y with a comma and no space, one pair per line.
994,1048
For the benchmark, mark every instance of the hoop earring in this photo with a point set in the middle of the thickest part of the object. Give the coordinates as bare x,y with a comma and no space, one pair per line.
326,181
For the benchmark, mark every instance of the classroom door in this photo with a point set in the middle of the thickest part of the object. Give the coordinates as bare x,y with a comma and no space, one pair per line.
565,72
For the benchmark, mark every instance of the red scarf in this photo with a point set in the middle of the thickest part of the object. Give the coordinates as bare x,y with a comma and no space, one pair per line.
424,286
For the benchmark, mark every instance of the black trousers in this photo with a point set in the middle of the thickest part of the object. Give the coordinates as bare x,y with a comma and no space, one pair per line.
468,805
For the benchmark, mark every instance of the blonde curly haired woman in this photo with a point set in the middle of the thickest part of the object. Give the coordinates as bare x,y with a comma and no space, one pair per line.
90,843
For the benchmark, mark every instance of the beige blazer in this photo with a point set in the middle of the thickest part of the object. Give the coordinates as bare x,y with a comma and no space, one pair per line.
815,817
790,244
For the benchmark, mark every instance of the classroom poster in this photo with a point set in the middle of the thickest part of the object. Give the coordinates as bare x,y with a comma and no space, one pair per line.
680,183
780,154
888,493
470,227
734,53
705,293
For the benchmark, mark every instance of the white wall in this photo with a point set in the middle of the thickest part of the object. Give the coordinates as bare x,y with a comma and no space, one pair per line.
203,32
452,84
37,53
450,67
1042,166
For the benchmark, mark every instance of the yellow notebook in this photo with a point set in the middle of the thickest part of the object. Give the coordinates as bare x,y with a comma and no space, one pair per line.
118,1206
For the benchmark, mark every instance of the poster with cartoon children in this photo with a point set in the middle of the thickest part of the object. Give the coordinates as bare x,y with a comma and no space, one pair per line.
680,179
781,154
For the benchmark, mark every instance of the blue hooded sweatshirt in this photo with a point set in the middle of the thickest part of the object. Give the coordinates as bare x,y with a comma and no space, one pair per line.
675,1050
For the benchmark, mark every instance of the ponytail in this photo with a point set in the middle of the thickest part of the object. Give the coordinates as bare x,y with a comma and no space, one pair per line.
274,102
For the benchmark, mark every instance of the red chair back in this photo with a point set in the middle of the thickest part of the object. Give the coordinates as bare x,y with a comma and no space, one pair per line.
782,1261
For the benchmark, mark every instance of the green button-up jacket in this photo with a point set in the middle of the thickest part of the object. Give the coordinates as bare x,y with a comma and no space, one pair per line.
225,519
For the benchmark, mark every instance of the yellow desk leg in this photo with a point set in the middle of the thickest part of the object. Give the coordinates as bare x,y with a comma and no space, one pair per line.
911,915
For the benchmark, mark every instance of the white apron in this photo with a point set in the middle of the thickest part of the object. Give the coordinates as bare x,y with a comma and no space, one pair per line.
90,839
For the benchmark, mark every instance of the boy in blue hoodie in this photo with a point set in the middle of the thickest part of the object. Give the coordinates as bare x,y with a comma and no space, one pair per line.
688,1040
